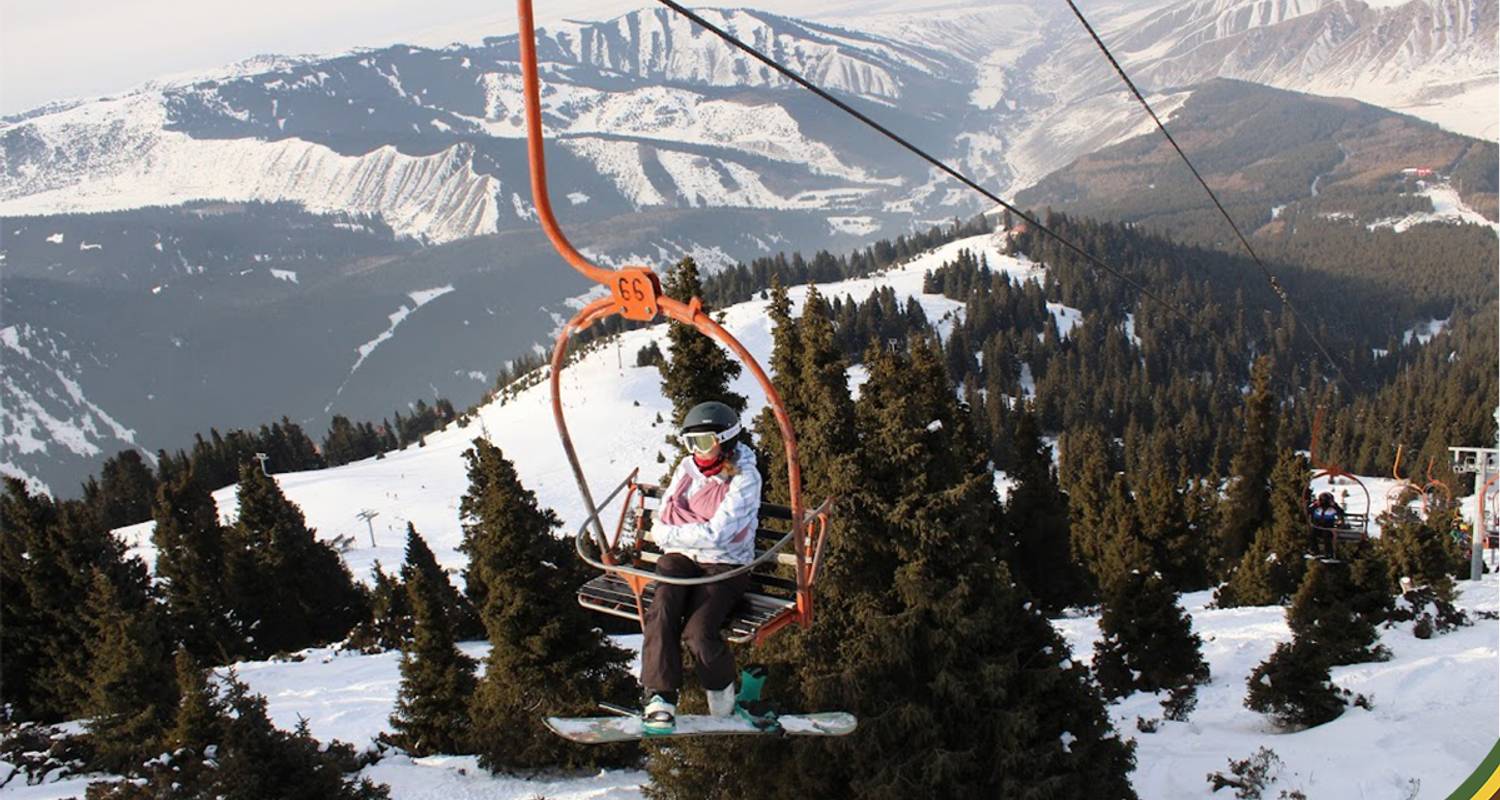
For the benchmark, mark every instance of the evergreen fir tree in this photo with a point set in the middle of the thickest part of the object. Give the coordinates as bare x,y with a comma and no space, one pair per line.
1293,687
1333,621
1036,517
26,520
1418,551
48,555
1272,568
1201,509
343,443
786,374
255,759
1085,468
195,726
697,368
190,560
390,622
1148,642
1326,613
123,494
1121,544
295,589
462,618
824,420
546,657
432,706
227,748
1248,505
923,635
1180,551
132,694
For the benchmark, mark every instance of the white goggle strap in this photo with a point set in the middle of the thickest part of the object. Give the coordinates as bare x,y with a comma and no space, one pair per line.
729,433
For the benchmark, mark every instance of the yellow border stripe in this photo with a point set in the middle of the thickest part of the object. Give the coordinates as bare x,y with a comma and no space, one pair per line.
1484,784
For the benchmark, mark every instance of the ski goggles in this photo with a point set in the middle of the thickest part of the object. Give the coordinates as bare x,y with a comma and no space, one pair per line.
705,441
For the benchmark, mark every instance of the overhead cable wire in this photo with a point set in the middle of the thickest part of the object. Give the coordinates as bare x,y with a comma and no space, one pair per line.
1275,284
950,171
960,177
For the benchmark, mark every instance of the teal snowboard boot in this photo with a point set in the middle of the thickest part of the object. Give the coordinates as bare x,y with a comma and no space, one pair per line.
659,717
748,703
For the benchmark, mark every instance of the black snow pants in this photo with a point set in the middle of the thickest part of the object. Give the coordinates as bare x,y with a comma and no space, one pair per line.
691,616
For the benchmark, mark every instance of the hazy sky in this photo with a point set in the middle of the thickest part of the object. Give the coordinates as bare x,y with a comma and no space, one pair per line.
58,49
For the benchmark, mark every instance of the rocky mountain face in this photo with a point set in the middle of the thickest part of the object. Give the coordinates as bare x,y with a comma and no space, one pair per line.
311,236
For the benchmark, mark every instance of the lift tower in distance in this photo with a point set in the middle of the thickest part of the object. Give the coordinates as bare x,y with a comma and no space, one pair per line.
1485,463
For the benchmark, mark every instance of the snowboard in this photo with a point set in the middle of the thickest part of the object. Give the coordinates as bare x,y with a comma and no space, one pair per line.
601,730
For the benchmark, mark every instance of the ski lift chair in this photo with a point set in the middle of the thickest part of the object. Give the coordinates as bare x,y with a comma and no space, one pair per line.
626,586
1354,525
628,581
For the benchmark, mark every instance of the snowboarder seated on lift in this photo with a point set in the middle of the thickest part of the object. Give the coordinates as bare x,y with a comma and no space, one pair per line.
705,525
1325,513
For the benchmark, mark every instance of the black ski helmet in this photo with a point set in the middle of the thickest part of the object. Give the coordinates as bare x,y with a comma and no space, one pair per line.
712,417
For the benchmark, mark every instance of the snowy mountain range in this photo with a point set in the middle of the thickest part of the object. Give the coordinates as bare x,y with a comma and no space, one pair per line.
137,229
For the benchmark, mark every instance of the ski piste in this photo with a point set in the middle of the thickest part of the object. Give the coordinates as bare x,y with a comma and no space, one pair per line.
603,730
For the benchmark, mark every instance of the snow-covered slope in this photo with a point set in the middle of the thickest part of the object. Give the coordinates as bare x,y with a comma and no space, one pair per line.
1435,59
1052,96
422,485
662,45
48,418
1447,207
1431,721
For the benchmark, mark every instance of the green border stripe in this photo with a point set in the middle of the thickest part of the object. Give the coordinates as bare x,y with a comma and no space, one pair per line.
1469,789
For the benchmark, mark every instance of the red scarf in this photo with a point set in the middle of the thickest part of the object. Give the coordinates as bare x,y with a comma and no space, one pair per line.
709,468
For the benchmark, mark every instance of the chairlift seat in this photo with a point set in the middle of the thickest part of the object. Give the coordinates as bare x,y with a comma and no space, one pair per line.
1351,529
769,602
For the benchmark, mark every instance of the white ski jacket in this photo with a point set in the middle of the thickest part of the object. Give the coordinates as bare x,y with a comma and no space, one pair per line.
711,519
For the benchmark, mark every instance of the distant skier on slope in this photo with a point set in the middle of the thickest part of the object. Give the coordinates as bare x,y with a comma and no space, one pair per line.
705,526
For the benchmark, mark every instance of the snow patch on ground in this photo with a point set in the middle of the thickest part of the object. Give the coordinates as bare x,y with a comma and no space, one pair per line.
34,484
1447,207
1428,724
855,226
287,275
419,298
1003,485
1424,331
1067,318
28,414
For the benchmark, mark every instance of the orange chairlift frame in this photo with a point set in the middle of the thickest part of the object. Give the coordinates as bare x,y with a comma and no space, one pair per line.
636,294
1399,492
1435,487
1356,526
